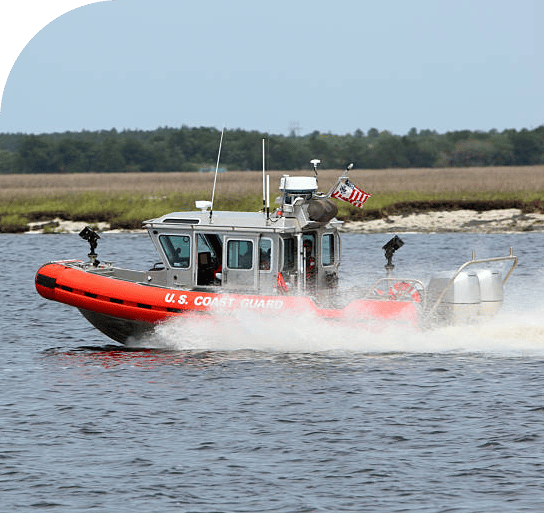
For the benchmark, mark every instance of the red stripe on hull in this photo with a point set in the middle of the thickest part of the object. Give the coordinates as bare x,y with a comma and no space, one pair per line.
133,301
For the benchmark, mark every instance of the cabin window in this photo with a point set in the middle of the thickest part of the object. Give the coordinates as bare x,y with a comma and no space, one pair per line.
288,254
212,244
240,254
265,254
203,244
177,249
209,248
327,249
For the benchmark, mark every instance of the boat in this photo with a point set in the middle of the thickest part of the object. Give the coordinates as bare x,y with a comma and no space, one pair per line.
280,262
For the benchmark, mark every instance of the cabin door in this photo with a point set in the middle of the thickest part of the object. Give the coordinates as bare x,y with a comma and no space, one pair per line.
308,262
178,259
208,258
240,262
267,265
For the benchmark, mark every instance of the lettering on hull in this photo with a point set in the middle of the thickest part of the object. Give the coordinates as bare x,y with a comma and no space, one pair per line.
211,301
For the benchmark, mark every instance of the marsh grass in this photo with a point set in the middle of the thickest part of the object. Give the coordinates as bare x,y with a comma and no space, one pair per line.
12,223
127,199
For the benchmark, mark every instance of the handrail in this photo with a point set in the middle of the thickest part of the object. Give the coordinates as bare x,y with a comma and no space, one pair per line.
413,281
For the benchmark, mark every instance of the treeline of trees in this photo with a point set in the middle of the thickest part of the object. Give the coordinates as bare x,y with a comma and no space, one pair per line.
190,149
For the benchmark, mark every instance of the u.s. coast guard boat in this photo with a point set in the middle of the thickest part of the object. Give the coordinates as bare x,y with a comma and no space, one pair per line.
285,261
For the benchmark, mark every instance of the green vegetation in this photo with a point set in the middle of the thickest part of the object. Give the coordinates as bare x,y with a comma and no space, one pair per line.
190,149
128,211
13,223
122,211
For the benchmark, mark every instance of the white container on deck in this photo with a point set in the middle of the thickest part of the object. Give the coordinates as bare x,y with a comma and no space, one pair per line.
491,291
461,301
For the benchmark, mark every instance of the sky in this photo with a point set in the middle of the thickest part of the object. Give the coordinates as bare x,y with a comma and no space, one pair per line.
275,67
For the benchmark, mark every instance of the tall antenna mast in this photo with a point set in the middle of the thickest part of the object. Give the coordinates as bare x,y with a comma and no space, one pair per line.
264,187
216,169
267,197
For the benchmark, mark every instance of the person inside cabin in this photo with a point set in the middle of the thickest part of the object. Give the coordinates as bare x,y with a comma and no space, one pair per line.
245,258
264,260
309,262
218,274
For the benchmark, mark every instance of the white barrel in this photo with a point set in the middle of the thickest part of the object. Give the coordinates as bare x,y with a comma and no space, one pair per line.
491,291
461,302
464,290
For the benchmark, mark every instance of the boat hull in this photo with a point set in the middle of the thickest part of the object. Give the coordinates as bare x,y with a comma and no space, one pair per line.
123,309
120,330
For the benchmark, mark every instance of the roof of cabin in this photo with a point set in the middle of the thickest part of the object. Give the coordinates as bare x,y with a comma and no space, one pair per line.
227,220
223,219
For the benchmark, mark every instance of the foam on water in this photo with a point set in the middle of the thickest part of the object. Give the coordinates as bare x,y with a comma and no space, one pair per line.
509,334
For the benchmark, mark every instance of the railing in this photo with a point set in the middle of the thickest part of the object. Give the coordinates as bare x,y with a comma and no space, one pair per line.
474,261
378,291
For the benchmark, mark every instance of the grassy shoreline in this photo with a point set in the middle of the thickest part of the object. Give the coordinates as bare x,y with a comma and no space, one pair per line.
125,200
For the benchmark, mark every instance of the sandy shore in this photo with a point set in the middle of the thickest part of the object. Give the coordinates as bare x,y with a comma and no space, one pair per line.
492,221
58,225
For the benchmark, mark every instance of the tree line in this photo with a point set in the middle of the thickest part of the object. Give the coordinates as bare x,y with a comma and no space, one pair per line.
191,149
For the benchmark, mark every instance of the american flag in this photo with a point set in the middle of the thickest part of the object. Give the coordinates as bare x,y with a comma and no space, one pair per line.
347,191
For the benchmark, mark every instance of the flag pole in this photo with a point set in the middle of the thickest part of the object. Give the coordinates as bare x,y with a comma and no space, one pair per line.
349,167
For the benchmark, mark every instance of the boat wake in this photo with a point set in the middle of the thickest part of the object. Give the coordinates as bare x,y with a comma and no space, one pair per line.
509,334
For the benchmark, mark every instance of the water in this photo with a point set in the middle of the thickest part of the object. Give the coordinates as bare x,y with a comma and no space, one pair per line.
207,417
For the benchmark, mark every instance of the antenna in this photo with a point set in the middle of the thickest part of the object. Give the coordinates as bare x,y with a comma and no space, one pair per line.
216,168
315,163
267,197
264,188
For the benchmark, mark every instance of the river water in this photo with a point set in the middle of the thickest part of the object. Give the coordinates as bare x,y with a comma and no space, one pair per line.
284,416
